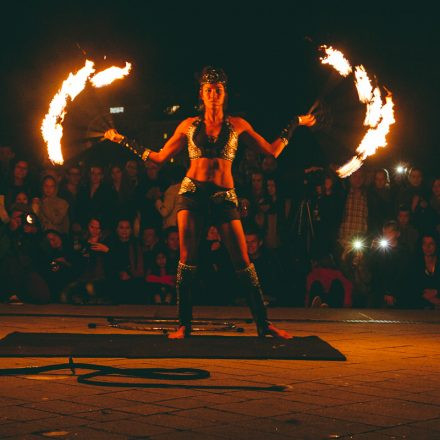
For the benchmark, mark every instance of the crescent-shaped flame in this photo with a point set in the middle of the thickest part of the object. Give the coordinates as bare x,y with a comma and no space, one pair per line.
379,115
52,125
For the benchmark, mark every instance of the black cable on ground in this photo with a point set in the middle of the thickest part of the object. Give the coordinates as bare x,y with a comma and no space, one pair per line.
174,374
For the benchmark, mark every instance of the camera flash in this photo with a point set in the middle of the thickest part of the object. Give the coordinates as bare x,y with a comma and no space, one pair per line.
383,243
358,244
400,169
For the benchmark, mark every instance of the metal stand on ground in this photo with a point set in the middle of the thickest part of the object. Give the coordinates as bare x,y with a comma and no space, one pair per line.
167,325
302,227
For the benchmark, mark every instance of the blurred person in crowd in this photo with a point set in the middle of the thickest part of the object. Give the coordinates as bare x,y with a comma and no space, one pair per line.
160,282
166,205
94,199
257,193
431,215
148,193
172,248
58,266
413,191
276,216
19,180
380,201
257,196
22,198
250,162
134,179
122,195
269,167
389,263
69,190
20,259
326,206
150,239
425,274
434,200
92,257
245,211
274,285
424,215
126,266
327,286
6,156
216,271
353,263
52,211
4,216
53,171
408,233
355,211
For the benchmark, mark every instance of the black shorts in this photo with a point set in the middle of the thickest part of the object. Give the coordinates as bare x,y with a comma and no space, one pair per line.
217,204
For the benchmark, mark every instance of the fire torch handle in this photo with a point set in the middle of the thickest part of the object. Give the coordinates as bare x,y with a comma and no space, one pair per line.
287,132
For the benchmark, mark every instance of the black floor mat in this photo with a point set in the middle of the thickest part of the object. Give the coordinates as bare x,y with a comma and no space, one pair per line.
140,346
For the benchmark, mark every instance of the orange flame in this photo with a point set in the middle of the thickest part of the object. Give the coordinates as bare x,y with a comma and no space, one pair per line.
373,139
336,59
374,109
363,84
350,167
107,76
51,127
376,137
379,116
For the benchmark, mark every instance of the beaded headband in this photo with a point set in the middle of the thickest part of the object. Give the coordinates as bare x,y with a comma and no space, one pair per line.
212,75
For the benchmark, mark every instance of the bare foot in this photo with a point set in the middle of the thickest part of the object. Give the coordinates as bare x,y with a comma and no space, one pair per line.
180,333
278,333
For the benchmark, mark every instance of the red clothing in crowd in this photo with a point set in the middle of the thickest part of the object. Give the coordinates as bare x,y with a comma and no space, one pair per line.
325,276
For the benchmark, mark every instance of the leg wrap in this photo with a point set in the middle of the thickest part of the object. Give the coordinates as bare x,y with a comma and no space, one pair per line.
184,281
254,296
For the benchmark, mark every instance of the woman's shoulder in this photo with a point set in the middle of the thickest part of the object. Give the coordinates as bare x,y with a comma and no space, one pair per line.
184,126
237,121
238,124
186,123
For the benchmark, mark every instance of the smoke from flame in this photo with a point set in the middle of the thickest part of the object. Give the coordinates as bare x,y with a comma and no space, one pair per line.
51,127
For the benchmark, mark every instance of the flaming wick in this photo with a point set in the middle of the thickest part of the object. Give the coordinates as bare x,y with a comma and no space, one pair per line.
51,127
379,115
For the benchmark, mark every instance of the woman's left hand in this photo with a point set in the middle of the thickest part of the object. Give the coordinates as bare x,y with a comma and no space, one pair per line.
307,120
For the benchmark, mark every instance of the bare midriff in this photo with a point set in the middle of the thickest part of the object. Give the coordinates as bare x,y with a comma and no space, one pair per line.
215,170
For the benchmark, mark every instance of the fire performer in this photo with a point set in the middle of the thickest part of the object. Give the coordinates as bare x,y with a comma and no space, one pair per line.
212,141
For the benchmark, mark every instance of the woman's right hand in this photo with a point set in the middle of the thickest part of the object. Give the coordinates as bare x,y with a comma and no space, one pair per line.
113,135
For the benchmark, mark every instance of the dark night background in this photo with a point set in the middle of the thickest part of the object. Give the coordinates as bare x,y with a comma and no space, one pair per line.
270,55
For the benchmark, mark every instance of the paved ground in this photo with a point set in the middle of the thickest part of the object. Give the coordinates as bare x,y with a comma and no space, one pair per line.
389,387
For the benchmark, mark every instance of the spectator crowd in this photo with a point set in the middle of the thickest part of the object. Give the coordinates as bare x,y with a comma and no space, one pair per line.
90,233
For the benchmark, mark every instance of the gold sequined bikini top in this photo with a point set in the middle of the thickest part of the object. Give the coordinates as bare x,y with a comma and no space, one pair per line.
202,145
